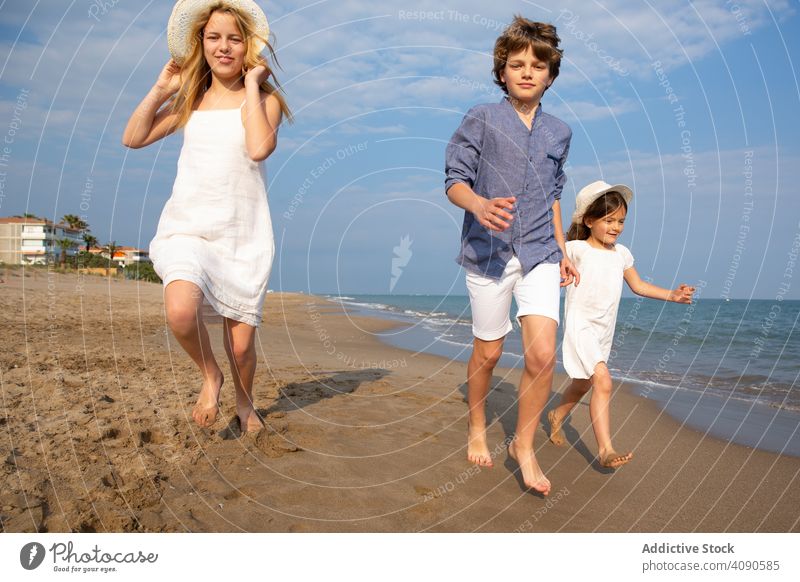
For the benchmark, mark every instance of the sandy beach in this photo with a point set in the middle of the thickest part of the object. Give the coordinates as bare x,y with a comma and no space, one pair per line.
96,434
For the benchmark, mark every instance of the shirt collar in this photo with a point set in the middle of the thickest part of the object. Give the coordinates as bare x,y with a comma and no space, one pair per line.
506,99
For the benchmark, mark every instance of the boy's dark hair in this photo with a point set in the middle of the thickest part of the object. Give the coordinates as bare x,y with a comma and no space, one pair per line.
521,34
606,204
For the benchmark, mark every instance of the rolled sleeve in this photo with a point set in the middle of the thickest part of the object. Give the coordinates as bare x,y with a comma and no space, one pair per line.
464,150
561,177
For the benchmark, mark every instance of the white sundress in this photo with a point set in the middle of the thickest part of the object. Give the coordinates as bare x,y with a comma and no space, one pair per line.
215,230
590,309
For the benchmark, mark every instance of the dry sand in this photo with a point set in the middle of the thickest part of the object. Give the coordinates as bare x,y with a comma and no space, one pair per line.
96,434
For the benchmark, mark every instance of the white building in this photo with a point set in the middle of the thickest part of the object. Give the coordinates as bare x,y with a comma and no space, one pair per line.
127,256
28,241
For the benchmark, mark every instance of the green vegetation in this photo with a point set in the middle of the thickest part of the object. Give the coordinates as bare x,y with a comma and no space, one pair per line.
142,272
65,244
85,260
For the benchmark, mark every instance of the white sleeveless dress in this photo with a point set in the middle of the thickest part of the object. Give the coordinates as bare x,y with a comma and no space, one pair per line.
215,230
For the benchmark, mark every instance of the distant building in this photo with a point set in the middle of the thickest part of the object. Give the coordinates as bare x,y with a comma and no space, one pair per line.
124,256
131,256
29,241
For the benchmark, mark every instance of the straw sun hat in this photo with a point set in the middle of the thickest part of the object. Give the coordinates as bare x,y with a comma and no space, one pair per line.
186,12
592,192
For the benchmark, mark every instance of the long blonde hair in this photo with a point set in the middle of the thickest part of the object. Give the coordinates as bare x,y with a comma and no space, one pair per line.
196,74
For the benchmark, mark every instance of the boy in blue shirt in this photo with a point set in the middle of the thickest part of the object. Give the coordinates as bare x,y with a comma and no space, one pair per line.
505,168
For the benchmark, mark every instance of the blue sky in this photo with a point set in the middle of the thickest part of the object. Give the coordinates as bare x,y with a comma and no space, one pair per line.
379,88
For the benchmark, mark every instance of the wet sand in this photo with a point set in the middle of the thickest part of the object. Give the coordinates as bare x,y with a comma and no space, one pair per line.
96,434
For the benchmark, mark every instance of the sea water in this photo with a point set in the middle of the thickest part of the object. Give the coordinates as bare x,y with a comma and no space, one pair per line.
738,351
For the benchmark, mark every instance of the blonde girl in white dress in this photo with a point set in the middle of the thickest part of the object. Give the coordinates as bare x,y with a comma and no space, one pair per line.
590,312
214,242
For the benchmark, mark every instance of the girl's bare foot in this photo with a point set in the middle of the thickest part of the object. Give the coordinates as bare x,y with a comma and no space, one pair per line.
249,420
477,449
206,409
531,473
556,434
612,459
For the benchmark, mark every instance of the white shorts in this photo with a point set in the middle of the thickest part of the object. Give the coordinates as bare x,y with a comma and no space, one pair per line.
537,293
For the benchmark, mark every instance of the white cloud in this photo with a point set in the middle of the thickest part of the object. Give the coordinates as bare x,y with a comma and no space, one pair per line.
578,111
344,57
361,128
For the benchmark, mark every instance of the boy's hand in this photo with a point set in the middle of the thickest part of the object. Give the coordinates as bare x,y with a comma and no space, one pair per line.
569,272
491,213
683,294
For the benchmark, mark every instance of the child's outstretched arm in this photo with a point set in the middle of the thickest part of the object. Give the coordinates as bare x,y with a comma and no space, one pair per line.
568,270
683,294
262,116
147,124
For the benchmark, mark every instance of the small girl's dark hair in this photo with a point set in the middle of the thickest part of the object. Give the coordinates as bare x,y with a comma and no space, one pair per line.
606,204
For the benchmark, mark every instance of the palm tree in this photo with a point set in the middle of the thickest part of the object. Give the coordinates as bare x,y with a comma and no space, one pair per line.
66,244
89,240
75,221
111,248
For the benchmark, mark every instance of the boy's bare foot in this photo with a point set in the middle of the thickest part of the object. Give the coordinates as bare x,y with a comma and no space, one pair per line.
206,409
556,434
612,459
531,473
477,450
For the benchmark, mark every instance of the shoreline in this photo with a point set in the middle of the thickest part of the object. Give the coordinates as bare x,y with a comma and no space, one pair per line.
746,422
97,435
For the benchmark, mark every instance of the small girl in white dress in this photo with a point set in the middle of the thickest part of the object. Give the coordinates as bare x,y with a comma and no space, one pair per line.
590,312
214,242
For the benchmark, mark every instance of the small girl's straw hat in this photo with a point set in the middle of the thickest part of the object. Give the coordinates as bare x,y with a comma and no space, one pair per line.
186,12
592,192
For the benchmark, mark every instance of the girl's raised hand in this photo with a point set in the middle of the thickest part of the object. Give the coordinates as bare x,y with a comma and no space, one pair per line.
256,75
169,80
683,294
491,213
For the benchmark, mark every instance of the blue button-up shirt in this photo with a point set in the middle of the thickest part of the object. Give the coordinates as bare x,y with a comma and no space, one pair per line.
495,154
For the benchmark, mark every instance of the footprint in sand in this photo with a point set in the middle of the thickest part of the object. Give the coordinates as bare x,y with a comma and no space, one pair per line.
271,444
152,437
232,494
110,434
423,491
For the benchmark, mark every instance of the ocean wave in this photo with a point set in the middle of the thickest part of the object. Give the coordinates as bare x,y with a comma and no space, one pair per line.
375,306
713,391
453,342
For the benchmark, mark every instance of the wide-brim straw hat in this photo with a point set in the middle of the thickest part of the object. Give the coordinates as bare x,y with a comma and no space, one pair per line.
592,192
186,12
